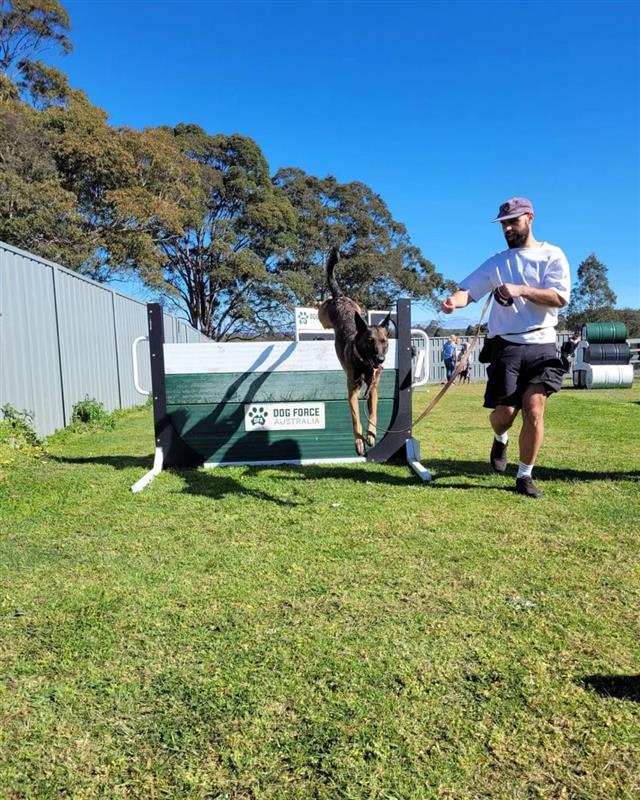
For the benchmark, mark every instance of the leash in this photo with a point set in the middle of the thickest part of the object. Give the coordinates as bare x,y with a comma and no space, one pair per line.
459,367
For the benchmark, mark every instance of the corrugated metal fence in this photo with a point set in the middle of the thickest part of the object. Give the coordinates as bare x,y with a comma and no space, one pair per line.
64,337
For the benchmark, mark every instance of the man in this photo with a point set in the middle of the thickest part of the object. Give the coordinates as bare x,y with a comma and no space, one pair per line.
530,281
449,355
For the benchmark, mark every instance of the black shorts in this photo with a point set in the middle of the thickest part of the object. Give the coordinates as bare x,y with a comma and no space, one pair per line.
514,366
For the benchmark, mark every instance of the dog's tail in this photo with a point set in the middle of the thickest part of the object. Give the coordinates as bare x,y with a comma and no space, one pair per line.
334,257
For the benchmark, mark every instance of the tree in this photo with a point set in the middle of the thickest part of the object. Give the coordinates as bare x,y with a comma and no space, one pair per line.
68,182
64,172
630,316
379,262
59,159
215,254
197,216
592,289
37,212
471,330
27,27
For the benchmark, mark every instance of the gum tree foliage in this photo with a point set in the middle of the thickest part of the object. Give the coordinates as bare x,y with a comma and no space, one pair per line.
36,211
68,182
630,316
63,169
592,289
27,27
215,257
197,216
379,262
592,300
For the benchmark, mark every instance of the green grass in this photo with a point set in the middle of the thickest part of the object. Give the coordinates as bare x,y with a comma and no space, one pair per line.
326,632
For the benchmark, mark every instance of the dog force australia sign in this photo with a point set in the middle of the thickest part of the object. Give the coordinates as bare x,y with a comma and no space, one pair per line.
283,416
307,319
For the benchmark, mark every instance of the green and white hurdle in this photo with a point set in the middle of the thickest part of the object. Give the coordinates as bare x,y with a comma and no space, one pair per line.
268,403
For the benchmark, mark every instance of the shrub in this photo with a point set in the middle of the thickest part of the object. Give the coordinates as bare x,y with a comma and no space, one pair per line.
17,428
90,412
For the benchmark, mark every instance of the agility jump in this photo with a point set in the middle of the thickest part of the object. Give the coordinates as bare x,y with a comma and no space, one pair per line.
268,403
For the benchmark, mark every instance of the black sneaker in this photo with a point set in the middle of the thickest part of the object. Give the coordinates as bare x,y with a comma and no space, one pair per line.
499,455
526,487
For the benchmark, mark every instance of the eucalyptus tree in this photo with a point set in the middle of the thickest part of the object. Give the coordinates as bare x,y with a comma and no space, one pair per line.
379,261
27,27
60,160
37,212
592,289
215,255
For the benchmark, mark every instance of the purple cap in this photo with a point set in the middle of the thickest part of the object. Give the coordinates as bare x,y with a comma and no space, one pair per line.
515,207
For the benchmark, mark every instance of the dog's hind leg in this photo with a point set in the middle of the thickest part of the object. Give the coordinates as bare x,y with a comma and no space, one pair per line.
358,439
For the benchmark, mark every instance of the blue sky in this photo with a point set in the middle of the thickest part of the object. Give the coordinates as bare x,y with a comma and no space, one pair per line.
444,109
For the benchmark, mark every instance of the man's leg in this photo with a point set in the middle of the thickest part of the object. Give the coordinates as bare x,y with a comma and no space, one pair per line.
501,418
531,437
532,433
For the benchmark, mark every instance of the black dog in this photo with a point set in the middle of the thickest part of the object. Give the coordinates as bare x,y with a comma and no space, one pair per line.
361,350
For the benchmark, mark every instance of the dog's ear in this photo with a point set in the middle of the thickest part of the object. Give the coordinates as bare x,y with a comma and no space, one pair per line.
361,325
385,322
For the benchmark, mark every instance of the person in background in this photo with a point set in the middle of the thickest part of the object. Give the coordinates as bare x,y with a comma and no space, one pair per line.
568,349
450,355
530,281
463,376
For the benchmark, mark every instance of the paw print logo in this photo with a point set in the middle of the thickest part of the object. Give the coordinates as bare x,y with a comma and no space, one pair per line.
258,415
303,318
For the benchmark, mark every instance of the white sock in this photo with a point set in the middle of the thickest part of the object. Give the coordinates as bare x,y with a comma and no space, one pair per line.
524,470
503,438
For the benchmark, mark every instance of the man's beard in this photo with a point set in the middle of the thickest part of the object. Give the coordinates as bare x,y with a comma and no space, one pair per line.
517,239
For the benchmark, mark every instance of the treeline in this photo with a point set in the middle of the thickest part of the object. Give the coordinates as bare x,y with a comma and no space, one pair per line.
197,216
593,300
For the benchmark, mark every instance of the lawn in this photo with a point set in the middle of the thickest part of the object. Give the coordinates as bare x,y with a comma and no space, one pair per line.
326,632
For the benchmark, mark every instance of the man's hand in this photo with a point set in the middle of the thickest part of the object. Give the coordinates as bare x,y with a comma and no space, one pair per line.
458,299
448,306
542,297
511,290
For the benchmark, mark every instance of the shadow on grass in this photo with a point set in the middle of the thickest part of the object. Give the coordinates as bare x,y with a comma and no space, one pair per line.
623,687
117,462
449,468
217,483
216,486
443,469
196,481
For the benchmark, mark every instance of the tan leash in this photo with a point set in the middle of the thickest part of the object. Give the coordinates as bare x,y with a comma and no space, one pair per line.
459,367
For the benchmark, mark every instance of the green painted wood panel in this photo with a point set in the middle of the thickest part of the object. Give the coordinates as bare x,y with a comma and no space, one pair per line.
266,387
217,433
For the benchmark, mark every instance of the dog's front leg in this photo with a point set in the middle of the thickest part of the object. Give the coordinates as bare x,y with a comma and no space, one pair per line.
354,389
372,407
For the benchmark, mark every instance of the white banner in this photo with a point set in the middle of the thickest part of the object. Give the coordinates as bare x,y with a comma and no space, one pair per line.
283,416
307,319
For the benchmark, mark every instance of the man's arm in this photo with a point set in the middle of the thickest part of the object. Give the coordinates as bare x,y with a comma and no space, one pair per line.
541,297
458,299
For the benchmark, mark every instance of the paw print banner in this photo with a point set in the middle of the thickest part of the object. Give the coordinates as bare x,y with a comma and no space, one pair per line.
283,416
307,319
